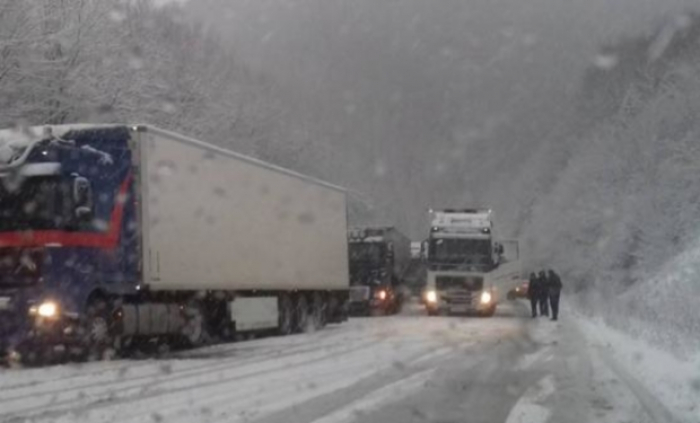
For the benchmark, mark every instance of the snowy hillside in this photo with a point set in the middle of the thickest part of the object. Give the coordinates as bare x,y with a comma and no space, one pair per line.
616,206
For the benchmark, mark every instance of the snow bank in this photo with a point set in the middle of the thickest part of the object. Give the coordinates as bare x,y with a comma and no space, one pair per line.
661,309
674,382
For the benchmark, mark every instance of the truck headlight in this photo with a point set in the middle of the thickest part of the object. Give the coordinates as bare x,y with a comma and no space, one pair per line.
485,297
381,295
431,296
47,309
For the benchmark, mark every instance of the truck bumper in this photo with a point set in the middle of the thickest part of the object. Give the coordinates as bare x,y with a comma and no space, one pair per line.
22,334
369,307
445,308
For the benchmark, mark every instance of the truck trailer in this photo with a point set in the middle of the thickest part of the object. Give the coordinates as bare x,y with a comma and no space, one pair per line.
469,269
379,259
116,233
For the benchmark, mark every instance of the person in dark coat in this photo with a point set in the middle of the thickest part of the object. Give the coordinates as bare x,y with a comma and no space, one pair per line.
543,297
554,290
533,293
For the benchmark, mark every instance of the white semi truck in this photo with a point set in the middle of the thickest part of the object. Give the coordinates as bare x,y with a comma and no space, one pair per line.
111,233
469,270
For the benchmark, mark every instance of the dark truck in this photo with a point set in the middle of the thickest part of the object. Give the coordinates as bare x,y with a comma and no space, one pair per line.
379,258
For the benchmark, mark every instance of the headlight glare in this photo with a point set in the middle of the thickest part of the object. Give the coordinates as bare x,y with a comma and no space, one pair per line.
485,297
47,309
431,296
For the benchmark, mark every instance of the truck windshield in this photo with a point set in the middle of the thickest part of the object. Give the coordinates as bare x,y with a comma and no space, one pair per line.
459,251
40,203
368,253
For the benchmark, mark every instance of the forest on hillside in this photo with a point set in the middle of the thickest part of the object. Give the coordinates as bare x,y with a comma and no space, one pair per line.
130,61
625,203
113,61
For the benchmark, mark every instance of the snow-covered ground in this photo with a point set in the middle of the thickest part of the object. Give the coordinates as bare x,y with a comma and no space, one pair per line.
666,384
408,368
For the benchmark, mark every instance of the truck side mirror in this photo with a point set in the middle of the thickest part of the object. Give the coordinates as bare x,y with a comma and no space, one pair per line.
82,198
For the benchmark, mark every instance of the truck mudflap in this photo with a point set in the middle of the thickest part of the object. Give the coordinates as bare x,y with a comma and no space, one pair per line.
339,308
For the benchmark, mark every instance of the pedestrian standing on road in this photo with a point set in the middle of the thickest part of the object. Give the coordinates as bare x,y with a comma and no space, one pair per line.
543,297
533,293
554,290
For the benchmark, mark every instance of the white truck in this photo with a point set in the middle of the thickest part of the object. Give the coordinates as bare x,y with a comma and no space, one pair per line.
469,271
111,233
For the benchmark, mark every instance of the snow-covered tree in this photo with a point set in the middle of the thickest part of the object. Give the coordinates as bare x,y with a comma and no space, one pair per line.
130,61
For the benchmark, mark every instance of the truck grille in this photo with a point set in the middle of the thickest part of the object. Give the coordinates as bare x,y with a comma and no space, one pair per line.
459,283
359,293
459,297
20,266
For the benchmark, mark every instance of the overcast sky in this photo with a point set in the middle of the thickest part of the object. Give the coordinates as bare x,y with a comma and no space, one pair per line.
404,88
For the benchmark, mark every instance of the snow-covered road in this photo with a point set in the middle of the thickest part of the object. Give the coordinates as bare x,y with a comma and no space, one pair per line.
403,369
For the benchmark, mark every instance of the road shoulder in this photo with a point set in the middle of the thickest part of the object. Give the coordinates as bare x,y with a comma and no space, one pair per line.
603,376
669,387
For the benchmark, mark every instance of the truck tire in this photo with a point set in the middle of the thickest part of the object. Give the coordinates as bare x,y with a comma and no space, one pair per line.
398,305
319,311
489,313
301,314
286,315
196,330
98,338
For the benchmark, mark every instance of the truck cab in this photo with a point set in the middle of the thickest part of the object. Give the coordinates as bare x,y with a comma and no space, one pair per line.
378,258
67,231
468,270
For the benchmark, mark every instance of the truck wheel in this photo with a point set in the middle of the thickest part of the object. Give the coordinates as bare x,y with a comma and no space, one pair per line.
99,341
195,331
319,311
398,306
301,314
490,312
286,314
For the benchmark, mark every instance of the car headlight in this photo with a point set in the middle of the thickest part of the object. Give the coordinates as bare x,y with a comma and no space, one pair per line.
46,309
485,297
381,295
431,296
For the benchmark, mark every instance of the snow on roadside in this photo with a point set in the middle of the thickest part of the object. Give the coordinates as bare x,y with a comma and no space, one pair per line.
661,308
674,382
528,408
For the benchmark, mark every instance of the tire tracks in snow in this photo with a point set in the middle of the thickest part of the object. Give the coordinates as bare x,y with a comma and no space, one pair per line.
529,408
278,394
58,384
136,391
231,384
378,398
654,408
66,372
